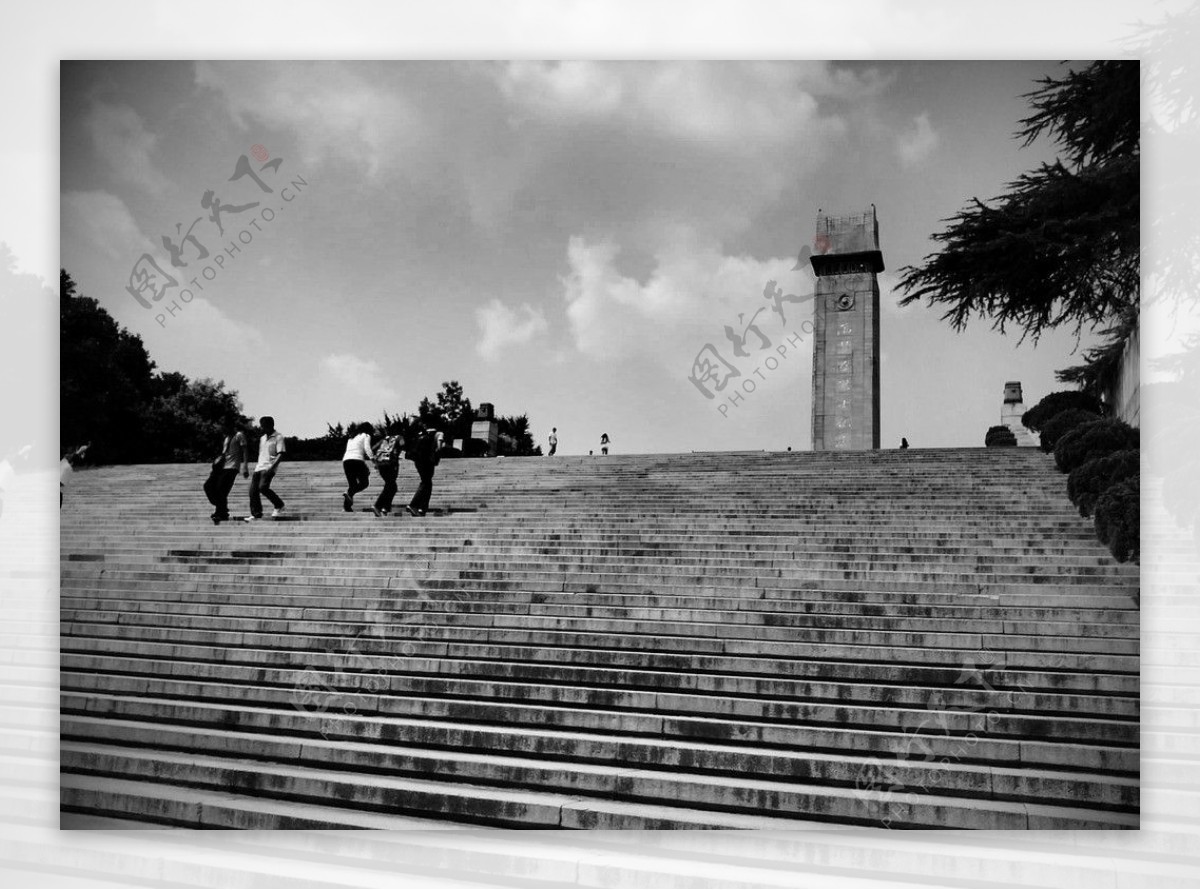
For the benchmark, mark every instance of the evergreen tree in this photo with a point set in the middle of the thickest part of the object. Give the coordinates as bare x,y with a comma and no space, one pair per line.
1061,246
516,439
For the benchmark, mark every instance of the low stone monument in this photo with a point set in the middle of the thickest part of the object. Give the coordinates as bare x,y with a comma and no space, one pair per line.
485,432
1011,411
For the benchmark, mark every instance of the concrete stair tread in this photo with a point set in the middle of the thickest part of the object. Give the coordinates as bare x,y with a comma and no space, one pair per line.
716,766
674,731
508,805
638,641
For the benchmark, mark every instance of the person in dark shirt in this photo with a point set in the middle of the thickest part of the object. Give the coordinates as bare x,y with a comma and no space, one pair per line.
424,455
234,456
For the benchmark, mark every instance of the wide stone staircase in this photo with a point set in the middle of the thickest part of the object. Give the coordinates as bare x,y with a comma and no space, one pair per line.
910,639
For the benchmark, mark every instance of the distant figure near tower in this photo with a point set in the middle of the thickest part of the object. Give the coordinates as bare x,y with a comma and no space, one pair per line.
846,260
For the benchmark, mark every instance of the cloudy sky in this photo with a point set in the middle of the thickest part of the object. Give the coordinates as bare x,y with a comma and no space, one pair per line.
563,239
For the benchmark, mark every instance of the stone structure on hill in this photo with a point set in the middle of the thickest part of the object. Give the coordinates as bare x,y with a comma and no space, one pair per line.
485,431
846,260
1012,410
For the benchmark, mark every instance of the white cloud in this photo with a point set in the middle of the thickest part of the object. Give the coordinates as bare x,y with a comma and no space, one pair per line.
581,87
123,142
711,144
362,377
201,340
501,327
101,221
917,142
330,109
693,294
742,107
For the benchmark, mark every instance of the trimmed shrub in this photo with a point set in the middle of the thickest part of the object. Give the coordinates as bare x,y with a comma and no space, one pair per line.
1000,437
1118,520
1062,423
1043,412
1088,441
1090,480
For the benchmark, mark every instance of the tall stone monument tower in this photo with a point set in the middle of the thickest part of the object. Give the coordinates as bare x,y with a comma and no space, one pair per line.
846,260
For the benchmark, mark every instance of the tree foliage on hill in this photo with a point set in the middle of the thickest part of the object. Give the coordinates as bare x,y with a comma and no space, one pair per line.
516,439
452,413
449,411
1061,246
111,395
1043,412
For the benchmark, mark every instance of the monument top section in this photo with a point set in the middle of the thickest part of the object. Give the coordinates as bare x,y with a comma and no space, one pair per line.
847,236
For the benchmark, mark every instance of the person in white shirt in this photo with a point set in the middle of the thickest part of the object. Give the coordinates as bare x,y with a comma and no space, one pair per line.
67,466
553,442
354,462
270,453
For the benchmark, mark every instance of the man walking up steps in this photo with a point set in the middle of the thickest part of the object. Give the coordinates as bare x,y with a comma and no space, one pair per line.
270,453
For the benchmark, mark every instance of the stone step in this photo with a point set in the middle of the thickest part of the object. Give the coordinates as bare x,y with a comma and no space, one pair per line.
376,550
430,625
696,671
775,612
654,649
926,639
498,578
605,712
645,690
649,772
217,589
513,807
205,808
758,624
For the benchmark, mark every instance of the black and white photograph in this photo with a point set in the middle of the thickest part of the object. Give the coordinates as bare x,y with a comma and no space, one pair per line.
802,556
728,454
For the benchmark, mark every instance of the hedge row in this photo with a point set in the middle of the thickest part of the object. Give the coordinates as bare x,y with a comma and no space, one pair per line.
1101,457
1093,440
1118,522
1062,423
1088,481
1043,412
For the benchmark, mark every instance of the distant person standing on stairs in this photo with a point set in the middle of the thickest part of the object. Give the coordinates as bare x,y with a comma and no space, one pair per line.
553,442
424,453
270,453
66,467
387,464
604,443
354,462
234,456
903,443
